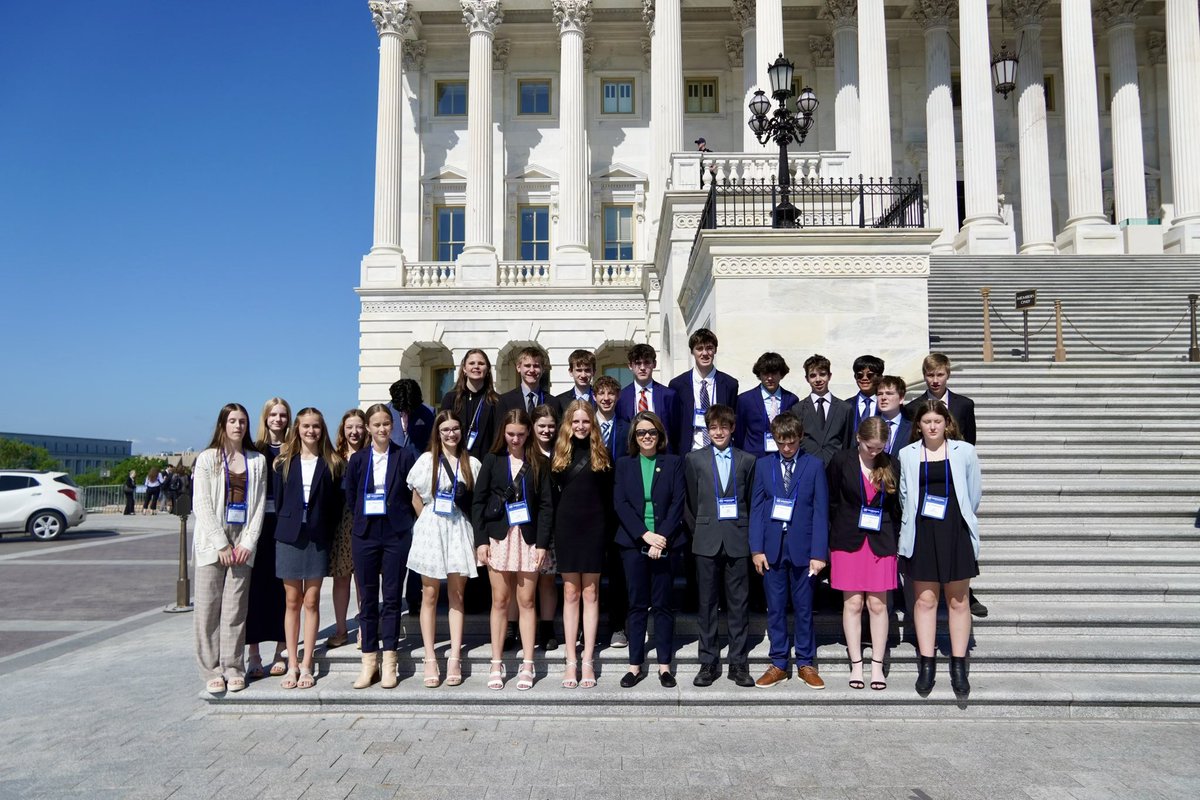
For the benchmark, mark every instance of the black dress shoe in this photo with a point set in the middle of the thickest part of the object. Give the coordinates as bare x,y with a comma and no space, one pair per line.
740,674
978,609
667,680
632,679
707,674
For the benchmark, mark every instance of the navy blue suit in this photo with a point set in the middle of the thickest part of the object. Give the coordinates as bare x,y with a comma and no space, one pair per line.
725,392
649,580
379,544
788,547
903,434
420,426
856,417
752,422
325,499
663,403
618,438
566,398
515,398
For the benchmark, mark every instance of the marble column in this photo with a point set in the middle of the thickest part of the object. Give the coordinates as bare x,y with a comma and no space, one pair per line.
1037,215
744,14
1129,162
820,53
984,230
1156,52
935,17
668,41
1087,229
875,128
768,36
393,21
573,263
481,18
1183,76
842,13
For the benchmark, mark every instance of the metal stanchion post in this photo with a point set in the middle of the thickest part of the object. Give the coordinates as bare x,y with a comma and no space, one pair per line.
1193,350
1025,322
987,326
183,588
1060,351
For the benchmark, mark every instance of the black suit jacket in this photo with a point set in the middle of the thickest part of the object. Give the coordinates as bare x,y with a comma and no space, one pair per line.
904,430
618,438
667,495
493,489
725,392
823,438
359,475
709,533
854,419
566,398
486,421
844,476
962,408
515,398
325,501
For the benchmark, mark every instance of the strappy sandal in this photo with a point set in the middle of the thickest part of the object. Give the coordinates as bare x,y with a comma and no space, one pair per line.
496,676
435,680
454,677
588,683
215,686
569,681
236,683
278,669
254,667
878,686
290,679
307,681
337,640
856,683
525,677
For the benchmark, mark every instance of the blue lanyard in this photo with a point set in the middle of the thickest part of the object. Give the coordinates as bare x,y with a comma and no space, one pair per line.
717,478
510,477
228,486
862,488
475,422
925,464
369,472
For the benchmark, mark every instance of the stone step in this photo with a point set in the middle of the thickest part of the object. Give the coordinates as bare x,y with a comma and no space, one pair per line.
1010,414
1092,586
1179,509
1031,485
1068,532
1087,558
1077,466
1045,440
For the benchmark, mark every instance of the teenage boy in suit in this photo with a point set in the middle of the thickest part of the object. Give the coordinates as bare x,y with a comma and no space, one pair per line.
758,407
615,434
868,370
789,544
825,418
890,397
412,420
582,366
718,479
529,394
696,391
645,393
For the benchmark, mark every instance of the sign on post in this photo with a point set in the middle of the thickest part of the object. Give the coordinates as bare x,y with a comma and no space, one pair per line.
1025,301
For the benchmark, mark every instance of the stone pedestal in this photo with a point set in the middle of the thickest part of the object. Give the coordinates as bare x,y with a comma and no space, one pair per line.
1182,239
986,239
381,270
1142,239
1081,239
477,268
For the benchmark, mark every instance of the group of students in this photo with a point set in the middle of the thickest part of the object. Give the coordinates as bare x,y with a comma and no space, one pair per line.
642,483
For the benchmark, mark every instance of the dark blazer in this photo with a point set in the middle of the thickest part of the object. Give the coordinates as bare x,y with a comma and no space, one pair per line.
489,418
493,482
823,438
709,533
807,535
854,418
618,440
844,476
962,408
420,426
752,422
515,398
903,434
667,493
725,392
566,398
359,473
664,406
325,501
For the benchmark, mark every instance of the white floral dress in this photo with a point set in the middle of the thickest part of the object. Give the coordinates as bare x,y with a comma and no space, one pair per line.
440,545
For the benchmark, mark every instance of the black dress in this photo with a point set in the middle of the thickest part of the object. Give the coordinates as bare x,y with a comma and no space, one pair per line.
582,512
266,603
942,550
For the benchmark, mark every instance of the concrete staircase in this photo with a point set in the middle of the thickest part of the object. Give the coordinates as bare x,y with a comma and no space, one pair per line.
1091,556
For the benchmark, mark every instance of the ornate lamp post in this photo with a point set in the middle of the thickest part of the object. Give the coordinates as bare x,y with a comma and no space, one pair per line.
783,127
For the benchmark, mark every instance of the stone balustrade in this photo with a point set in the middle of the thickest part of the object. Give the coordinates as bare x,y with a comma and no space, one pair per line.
694,170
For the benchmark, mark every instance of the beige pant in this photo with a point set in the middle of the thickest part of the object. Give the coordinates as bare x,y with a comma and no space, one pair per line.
222,595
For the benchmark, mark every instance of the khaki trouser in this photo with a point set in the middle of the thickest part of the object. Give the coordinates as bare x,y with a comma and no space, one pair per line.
222,596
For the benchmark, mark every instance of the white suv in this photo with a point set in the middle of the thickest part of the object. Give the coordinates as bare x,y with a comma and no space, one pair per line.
44,504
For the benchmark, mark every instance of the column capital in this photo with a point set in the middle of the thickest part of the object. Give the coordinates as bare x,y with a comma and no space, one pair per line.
500,50
391,16
647,50
734,49
842,13
1156,43
932,14
572,15
743,12
482,16
821,50
413,57
1024,13
1114,13
648,15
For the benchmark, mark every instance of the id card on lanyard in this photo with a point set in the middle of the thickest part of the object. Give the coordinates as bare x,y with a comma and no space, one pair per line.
443,502
934,506
518,511
235,513
473,431
869,517
782,507
374,503
727,507
769,445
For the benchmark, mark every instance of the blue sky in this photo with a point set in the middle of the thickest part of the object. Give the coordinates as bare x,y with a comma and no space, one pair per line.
185,192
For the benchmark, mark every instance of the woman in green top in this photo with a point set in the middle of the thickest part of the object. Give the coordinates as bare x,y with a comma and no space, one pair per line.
649,498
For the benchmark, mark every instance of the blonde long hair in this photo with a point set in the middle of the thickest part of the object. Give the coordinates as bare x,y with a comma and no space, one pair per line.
599,458
291,446
881,475
263,438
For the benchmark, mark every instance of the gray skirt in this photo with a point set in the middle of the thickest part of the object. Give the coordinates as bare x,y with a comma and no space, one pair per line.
302,560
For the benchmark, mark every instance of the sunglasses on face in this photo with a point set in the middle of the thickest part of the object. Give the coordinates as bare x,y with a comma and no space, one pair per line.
865,373
646,433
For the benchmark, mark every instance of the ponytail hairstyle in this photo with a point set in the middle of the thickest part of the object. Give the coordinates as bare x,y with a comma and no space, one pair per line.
437,453
881,475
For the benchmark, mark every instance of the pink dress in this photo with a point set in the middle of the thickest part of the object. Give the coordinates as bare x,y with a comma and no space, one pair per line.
862,570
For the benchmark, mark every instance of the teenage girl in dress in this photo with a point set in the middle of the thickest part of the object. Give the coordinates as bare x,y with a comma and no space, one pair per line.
264,620
352,435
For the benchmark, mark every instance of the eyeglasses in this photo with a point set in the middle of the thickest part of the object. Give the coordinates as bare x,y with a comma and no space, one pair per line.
864,373
646,433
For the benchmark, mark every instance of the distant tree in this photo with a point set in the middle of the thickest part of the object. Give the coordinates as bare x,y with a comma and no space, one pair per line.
117,472
18,455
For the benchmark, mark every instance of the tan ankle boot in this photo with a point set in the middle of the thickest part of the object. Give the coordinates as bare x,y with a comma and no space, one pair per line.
391,662
370,670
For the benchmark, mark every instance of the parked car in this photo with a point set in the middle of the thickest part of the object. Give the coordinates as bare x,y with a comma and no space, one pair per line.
41,503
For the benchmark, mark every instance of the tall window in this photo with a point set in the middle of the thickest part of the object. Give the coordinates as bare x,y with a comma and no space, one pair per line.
618,233
449,233
1048,86
451,98
533,97
701,96
535,233
617,96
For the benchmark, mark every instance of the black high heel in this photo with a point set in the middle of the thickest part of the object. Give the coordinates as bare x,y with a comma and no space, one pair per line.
878,686
855,683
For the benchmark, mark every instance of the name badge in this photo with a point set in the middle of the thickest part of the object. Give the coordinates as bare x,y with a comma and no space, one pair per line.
269,508
698,419
471,437
727,508
769,443
443,504
934,507
235,514
374,504
781,509
870,519
518,513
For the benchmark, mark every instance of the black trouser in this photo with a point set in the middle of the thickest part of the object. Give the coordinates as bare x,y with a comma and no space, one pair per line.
615,598
128,503
650,581
709,570
380,559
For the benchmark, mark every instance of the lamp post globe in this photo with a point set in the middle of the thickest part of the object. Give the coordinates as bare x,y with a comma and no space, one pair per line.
783,127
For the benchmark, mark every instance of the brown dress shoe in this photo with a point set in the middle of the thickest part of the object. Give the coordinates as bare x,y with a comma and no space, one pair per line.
809,675
772,676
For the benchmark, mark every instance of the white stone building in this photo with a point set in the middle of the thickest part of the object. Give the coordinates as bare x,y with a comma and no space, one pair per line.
536,178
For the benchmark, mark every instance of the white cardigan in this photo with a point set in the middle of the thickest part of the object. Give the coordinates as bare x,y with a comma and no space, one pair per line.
211,534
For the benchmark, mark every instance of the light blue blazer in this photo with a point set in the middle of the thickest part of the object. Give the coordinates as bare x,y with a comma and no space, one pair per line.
964,471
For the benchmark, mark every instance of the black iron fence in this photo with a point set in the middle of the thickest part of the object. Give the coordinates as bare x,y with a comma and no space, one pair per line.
815,203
